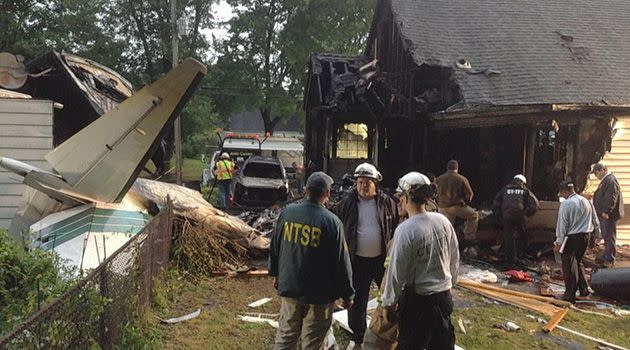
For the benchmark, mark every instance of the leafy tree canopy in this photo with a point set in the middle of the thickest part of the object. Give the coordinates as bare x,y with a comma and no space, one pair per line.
262,64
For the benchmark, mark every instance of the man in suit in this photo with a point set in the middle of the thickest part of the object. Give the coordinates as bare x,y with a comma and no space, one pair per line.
608,202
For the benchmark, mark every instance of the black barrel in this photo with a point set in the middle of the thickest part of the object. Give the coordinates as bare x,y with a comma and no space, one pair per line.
612,283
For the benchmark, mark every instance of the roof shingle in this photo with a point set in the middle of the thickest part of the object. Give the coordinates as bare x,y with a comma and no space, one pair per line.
540,52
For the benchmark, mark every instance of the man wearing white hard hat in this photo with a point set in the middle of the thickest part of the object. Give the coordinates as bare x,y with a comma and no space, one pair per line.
512,206
369,217
423,268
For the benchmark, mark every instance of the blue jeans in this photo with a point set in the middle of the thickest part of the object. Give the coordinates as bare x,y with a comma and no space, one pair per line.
224,193
609,234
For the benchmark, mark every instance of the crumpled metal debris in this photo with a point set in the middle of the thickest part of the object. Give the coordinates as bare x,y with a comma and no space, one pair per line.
262,221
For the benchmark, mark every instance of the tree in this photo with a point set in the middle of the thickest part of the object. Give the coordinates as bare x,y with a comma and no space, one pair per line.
262,63
132,37
145,27
30,28
197,118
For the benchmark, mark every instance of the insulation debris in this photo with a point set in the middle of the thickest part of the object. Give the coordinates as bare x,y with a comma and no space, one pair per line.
460,323
256,319
508,326
259,302
478,275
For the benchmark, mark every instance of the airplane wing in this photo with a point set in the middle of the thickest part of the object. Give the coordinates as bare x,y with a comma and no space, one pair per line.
103,160
44,181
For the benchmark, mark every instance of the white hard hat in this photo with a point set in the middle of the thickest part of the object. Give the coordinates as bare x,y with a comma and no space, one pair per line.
225,155
414,178
368,170
521,178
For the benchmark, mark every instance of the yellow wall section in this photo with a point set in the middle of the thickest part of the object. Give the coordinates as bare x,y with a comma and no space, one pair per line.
618,161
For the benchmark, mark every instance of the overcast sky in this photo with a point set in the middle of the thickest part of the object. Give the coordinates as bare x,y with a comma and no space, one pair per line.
222,12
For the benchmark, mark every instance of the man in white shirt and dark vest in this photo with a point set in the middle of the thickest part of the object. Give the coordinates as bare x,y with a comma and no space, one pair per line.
369,217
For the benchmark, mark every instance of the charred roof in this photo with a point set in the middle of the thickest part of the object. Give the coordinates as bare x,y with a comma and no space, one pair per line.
524,52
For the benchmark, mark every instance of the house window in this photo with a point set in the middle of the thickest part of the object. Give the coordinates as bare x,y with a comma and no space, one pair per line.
352,141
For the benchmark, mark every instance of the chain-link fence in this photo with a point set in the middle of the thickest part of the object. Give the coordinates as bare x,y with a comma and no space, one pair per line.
95,312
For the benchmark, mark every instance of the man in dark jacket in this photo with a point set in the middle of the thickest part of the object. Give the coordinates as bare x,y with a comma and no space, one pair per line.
608,202
309,258
512,205
454,197
369,217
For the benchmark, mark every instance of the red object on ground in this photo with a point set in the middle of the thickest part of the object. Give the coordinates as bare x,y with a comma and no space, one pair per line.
518,276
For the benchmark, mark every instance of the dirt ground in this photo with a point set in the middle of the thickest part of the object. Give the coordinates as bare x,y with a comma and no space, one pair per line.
222,299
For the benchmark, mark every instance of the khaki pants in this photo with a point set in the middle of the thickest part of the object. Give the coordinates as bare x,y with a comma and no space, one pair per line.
464,212
302,323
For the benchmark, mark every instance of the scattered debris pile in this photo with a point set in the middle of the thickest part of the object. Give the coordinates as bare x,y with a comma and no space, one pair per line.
206,239
262,221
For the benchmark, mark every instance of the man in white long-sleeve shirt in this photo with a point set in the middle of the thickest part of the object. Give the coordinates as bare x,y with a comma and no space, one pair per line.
577,220
423,268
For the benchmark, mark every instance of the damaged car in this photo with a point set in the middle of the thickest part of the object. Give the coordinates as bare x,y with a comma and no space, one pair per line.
261,182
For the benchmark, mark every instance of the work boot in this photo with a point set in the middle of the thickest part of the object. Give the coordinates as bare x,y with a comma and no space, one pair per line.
358,347
585,292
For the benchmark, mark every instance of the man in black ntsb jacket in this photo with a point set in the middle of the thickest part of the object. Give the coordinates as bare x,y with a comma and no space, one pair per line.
309,258
512,205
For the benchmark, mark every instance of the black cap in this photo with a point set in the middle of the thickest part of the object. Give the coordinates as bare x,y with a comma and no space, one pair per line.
319,180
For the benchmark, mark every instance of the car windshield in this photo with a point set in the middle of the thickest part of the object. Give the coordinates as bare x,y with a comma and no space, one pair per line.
265,170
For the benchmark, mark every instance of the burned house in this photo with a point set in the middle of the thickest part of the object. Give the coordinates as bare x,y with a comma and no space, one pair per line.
508,87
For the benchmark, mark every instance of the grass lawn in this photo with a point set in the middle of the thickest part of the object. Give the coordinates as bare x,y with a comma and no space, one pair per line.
217,328
481,317
221,299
